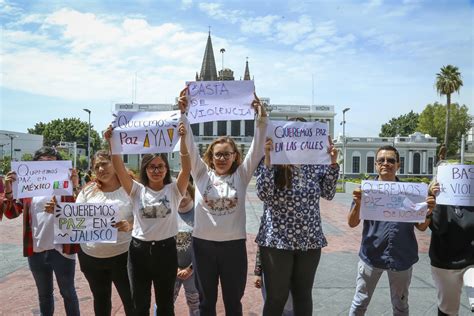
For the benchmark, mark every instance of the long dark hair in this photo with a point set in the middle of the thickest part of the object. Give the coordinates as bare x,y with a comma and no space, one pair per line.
47,151
146,159
284,173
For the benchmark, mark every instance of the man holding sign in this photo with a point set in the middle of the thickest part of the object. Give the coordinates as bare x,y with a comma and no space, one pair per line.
386,245
44,256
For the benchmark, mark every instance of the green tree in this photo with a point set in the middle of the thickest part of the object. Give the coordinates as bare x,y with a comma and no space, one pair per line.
5,165
403,125
67,130
448,81
27,157
433,121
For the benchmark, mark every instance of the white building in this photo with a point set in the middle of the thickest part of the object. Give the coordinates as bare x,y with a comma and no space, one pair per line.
241,131
417,154
19,144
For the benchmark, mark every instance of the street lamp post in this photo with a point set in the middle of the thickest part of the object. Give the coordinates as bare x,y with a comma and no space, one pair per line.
3,152
88,141
11,136
344,146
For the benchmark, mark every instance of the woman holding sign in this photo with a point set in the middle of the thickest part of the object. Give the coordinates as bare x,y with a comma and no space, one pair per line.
44,256
221,179
152,256
452,252
290,235
106,263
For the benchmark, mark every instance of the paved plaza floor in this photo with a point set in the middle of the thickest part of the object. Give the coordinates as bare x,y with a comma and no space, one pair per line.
332,292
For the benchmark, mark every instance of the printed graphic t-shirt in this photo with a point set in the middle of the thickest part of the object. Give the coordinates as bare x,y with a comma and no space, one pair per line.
155,212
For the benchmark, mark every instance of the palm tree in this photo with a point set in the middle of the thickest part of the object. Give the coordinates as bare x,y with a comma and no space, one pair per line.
448,81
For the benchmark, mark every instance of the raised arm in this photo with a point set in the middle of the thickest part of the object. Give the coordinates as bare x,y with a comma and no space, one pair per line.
431,201
256,150
328,182
353,219
183,176
198,167
265,184
12,208
124,178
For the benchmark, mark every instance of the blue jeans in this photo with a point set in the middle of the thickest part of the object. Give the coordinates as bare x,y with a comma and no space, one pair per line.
191,293
42,265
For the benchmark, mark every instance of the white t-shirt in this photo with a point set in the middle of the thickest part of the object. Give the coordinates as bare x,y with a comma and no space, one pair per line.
42,225
91,194
220,200
155,212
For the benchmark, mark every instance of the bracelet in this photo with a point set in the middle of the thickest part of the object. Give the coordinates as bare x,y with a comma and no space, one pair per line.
184,155
429,216
8,192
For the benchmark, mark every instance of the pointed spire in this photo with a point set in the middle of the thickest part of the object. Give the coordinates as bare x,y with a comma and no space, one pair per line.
247,72
208,68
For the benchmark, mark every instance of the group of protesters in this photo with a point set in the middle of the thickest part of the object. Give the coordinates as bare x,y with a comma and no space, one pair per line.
174,233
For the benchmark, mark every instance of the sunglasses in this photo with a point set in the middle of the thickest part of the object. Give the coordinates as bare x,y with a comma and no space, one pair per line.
391,161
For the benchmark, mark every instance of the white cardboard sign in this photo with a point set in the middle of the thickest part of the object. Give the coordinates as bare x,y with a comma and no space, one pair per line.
456,185
299,142
394,201
78,223
42,178
145,132
220,100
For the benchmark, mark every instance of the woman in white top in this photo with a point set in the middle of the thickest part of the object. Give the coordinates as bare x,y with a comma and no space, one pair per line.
221,179
106,263
152,254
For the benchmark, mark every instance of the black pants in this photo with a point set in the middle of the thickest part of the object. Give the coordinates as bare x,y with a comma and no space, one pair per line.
224,260
100,273
153,262
285,270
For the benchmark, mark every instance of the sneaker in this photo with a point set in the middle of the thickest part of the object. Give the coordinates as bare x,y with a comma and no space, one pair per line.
472,308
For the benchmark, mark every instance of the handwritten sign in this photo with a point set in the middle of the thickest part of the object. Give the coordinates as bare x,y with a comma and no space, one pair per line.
77,223
145,132
299,142
42,178
456,185
220,100
394,201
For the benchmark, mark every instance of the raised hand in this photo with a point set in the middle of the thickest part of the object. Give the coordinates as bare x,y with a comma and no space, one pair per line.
182,129
332,151
183,100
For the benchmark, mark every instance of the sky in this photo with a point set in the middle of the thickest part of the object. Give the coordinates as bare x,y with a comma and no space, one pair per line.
379,58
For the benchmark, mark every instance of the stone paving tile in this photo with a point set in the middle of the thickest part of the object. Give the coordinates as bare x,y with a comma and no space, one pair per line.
332,291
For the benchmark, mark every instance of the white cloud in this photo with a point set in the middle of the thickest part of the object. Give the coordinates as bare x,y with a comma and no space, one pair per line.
259,25
186,4
95,56
215,10
292,31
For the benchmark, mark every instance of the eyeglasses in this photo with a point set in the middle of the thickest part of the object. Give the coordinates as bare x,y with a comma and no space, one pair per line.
391,161
153,168
226,155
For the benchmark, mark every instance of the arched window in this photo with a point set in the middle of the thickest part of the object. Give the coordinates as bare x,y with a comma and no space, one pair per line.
370,160
356,162
416,163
